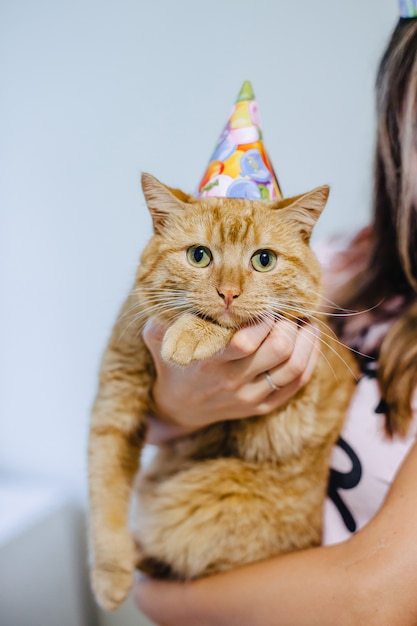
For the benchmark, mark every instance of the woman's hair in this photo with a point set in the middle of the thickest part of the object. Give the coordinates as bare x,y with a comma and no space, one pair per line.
395,194
392,267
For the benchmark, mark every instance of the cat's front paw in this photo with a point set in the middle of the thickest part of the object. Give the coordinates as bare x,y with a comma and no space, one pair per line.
178,349
111,585
192,339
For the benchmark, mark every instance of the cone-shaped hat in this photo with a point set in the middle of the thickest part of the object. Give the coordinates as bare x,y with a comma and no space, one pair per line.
240,166
408,8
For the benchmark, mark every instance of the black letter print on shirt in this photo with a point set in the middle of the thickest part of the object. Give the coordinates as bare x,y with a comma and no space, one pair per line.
339,480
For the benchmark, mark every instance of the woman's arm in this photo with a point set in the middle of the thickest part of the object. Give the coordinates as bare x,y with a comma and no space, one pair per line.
232,384
371,579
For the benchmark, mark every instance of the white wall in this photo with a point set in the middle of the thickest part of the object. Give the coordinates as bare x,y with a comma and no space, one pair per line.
91,93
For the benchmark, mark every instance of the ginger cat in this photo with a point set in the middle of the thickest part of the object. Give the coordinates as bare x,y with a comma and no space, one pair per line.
235,491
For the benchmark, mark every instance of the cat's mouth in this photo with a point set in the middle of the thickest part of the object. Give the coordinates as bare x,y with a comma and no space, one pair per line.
230,319
227,319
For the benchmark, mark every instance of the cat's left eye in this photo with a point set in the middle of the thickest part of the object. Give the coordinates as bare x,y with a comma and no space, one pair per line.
199,256
263,260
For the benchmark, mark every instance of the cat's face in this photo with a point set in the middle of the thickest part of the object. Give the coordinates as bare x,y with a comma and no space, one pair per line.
228,260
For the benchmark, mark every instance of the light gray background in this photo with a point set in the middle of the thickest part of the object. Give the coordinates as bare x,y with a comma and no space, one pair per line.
94,92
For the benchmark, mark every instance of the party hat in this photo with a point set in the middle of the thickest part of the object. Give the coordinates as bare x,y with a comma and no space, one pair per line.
239,166
408,8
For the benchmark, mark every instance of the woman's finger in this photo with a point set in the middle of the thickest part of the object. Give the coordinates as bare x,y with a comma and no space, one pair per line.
305,343
246,342
152,334
273,399
289,376
275,349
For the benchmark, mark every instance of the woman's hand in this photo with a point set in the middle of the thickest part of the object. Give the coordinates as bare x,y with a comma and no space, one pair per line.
233,384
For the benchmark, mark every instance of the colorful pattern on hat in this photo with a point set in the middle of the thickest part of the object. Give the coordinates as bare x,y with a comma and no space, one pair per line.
240,166
408,8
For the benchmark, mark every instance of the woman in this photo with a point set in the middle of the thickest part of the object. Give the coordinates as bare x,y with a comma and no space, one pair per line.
371,576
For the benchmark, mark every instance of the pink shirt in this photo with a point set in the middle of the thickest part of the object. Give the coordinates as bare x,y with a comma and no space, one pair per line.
364,464
365,460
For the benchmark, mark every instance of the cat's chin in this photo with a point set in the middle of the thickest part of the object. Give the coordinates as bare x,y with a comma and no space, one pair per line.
232,321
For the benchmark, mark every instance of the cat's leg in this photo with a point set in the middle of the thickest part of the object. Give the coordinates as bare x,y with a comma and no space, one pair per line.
222,513
113,462
191,338
117,432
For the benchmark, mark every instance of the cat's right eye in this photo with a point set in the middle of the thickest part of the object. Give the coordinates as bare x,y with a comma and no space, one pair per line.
199,256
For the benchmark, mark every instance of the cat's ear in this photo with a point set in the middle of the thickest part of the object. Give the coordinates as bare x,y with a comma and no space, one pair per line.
305,210
162,201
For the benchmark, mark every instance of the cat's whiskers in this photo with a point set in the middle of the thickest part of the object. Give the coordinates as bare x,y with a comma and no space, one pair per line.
283,312
312,311
165,300
330,334
273,317
156,304
343,312
172,318
161,291
173,302
155,295
154,310
138,302
312,341
333,338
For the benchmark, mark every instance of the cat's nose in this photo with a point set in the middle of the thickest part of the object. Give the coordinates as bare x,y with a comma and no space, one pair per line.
228,295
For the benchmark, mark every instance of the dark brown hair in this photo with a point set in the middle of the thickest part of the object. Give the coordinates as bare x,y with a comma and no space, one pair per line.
392,266
395,214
